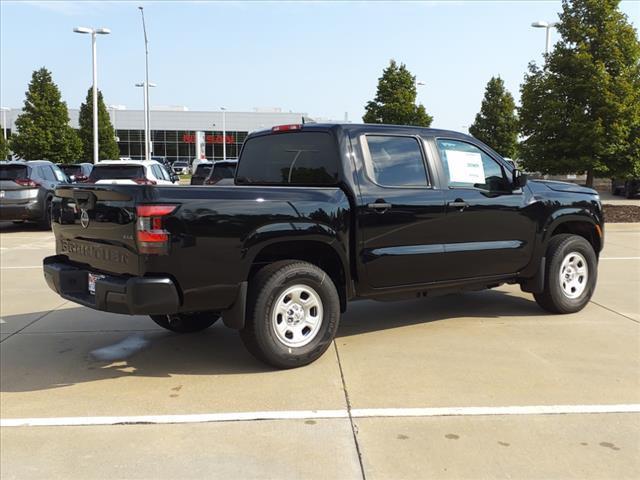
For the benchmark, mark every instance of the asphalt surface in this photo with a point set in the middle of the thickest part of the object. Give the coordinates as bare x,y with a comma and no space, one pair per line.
477,385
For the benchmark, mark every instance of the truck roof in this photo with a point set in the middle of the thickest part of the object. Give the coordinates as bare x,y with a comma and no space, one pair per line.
370,126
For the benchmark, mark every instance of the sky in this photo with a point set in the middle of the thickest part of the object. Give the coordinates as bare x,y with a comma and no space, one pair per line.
320,58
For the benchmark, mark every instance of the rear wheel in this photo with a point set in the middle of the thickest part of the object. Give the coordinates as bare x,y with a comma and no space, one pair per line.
293,311
186,322
570,277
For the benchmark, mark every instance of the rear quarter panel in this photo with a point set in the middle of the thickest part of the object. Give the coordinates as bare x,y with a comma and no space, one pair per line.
217,232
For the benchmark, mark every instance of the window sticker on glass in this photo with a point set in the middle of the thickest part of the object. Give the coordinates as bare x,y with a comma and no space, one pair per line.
465,167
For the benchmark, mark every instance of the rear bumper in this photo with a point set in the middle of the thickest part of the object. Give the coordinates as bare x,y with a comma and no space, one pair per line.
114,293
23,211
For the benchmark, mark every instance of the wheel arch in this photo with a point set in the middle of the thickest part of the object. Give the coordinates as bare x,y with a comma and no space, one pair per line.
320,253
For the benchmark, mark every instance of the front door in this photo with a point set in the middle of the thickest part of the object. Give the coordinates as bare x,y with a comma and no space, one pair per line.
487,230
399,212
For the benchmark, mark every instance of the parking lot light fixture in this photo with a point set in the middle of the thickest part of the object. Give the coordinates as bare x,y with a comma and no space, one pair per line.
147,129
94,32
548,26
4,121
224,134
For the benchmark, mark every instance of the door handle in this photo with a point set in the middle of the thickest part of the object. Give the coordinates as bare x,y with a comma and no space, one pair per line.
380,206
458,204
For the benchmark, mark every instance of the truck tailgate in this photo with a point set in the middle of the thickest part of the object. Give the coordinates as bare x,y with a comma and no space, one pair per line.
96,226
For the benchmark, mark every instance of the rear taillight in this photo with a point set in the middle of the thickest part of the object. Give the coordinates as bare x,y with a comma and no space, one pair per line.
144,181
26,182
81,178
286,128
152,237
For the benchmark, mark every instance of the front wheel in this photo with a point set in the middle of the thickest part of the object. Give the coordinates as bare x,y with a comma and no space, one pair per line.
570,277
186,322
293,312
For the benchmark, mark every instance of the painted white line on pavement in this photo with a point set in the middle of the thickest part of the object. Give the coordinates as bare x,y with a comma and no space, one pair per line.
474,411
619,258
310,414
161,419
20,268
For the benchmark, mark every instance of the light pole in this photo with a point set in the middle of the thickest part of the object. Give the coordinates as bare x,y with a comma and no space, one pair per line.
147,129
94,32
224,134
4,121
547,26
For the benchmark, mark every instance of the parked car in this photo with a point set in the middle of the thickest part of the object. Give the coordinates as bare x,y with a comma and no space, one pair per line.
26,190
201,173
180,167
76,172
132,172
629,187
321,214
223,173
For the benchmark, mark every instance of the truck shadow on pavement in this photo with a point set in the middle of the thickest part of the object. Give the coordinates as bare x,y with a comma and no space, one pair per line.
54,358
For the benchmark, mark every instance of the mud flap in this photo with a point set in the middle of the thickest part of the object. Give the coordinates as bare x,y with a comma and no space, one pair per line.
535,284
234,317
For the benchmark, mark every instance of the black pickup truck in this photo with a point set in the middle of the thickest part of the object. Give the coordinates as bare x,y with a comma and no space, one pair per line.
321,214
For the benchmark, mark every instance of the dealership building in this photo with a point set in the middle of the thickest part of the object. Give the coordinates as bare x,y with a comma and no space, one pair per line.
177,131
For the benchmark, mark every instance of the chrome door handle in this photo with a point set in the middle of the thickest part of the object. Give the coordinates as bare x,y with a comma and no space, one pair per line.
380,206
458,204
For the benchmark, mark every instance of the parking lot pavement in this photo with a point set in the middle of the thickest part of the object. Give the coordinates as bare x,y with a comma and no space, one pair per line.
490,349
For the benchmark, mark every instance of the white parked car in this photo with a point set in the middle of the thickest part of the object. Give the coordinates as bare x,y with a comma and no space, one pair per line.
180,167
130,172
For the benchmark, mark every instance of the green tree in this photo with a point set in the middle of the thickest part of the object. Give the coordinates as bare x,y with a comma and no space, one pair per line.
497,124
395,101
43,130
107,145
581,113
4,146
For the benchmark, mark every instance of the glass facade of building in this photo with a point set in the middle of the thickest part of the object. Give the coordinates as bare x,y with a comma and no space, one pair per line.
179,144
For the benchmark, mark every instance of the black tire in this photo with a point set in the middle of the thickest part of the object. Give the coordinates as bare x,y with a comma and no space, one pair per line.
45,222
186,322
269,284
553,298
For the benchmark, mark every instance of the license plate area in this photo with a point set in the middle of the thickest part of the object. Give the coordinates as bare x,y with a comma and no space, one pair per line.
91,282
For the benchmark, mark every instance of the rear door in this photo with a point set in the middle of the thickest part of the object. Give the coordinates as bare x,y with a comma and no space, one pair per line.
400,213
16,185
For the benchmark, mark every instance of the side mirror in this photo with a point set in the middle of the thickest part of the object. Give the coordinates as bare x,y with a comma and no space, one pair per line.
519,179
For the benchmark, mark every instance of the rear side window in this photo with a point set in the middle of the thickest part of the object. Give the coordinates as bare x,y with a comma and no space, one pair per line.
46,173
395,161
59,174
116,172
297,158
11,172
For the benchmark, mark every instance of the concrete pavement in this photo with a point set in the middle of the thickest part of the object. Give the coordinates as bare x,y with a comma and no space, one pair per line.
494,349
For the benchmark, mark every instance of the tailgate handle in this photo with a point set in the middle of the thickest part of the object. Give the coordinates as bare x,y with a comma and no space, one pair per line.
84,200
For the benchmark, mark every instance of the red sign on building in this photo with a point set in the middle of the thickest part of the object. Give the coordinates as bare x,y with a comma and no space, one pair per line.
190,138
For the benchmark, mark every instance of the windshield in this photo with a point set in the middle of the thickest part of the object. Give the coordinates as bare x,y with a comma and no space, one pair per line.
223,171
299,158
116,172
11,172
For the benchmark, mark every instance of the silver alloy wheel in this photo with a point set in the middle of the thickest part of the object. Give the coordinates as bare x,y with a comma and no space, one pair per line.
574,275
297,316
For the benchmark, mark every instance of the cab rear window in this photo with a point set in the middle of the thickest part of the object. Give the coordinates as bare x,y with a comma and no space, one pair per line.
116,172
297,158
11,172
